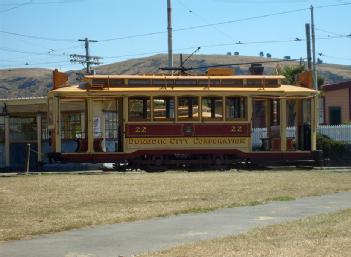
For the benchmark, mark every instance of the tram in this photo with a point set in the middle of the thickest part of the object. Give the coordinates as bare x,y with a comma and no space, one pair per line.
158,122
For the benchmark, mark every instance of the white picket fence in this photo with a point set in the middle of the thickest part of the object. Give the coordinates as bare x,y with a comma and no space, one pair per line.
341,133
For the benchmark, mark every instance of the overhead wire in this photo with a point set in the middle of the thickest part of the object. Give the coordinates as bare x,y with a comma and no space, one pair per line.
16,7
224,22
39,37
334,57
220,44
162,32
32,2
190,10
179,29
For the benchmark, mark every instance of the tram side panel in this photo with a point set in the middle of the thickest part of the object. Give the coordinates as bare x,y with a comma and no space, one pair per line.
221,136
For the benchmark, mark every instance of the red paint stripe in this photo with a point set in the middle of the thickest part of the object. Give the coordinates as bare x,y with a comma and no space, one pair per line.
188,129
229,130
154,130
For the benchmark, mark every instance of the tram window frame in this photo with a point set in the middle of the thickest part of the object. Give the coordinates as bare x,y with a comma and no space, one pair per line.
190,113
111,124
146,109
169,113
212,111
242,113
71,128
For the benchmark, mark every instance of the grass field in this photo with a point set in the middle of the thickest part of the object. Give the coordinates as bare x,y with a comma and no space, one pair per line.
31,205
323,235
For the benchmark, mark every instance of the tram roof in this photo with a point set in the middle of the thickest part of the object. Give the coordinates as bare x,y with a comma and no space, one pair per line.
168,76
282,89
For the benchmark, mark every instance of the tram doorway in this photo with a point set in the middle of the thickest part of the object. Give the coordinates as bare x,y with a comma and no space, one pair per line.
107,124
281,124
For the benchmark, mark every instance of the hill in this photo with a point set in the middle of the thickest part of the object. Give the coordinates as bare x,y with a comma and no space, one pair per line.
37,82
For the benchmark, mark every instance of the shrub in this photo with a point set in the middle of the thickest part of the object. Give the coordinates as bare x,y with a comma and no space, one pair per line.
331,149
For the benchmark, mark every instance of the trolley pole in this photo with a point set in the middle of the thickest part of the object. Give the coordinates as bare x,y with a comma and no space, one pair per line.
315,83
169,29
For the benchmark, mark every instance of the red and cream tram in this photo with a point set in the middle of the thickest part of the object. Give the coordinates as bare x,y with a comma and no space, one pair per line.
156,122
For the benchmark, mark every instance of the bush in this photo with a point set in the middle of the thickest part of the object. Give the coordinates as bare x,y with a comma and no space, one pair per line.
330,147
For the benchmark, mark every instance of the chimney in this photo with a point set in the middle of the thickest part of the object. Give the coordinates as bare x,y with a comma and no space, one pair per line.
59,79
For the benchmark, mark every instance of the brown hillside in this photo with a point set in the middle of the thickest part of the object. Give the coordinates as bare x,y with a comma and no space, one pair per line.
37,82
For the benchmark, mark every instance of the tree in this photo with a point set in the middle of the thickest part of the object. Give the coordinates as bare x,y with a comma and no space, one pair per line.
320,81
261,54
290,73
229,53
268,55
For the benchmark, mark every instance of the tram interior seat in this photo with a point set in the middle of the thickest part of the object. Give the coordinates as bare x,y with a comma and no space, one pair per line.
272,142
82,145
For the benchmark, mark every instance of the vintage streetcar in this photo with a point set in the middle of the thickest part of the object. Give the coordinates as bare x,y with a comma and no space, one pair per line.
158,122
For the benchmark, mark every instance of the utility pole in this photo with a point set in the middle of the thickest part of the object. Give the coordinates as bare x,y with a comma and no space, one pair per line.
315,82
169,29
308,42
86,59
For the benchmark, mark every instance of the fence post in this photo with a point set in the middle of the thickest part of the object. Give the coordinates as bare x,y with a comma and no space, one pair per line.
27,161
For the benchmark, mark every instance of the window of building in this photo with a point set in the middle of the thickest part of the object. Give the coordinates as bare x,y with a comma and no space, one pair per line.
2,129
163,108
236,108
188,108
44,128
212,108
139,108
71,125
50,121
23,129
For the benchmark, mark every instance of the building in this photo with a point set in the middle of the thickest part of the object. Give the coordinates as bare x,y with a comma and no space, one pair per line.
337,103
22,122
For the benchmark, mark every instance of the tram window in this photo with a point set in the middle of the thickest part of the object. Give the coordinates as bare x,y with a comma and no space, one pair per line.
188,108
212,108
139,108
111,124
71,125
235,108
163,108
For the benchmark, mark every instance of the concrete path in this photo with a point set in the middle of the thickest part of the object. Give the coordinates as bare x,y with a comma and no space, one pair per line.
127,239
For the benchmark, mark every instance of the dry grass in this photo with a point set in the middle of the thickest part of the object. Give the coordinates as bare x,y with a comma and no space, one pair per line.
32,205
324,235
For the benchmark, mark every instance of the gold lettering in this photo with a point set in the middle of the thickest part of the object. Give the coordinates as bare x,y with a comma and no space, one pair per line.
140,130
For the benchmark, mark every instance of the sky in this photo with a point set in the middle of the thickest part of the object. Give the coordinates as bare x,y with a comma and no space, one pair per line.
43,33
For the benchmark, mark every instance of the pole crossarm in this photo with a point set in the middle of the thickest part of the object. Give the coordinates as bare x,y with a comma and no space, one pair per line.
86,59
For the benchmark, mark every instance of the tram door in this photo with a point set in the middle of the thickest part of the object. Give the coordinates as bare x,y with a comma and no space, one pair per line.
112,125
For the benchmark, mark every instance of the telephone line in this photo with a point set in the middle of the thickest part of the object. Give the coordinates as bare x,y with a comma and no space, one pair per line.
224,22
16,7
223,44
38,37
179,29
